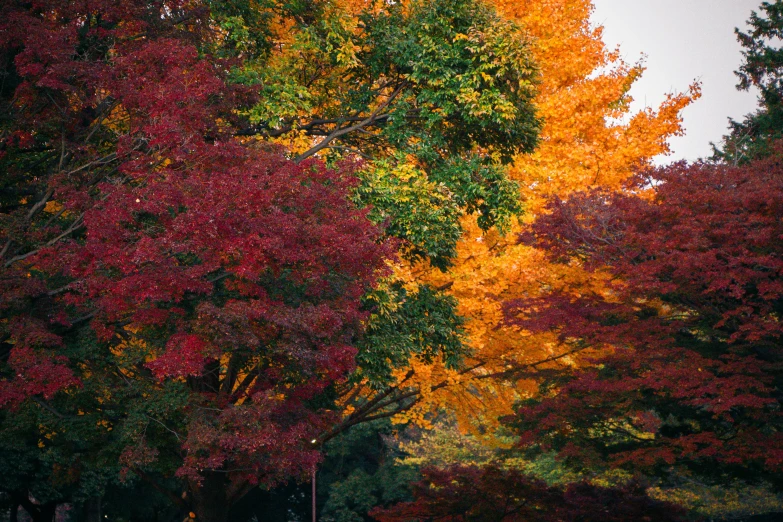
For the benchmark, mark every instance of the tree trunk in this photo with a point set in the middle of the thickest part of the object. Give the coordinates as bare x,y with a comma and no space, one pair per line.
92,510
14,516
209,498
37,512
42,512
47,512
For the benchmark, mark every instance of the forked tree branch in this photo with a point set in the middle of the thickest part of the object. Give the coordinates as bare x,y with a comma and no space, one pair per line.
369,120
377,407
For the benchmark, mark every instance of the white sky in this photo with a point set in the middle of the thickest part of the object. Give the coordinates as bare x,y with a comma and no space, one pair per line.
683,40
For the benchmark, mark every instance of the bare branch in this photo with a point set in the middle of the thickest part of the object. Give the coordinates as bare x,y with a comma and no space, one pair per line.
40,204
372,118
76,225
50,409
377,407
153,419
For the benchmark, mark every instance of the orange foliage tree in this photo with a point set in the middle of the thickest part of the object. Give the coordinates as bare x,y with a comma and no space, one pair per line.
590,138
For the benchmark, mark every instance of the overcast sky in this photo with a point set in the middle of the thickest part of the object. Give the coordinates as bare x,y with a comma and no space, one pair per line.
683,40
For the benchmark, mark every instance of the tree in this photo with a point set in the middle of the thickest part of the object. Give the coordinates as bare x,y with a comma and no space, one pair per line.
436,134
763,63
589,138
150,314
689,378
359,471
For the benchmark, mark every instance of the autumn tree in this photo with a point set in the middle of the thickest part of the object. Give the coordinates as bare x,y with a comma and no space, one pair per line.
171,298
589,138
436,132
689,383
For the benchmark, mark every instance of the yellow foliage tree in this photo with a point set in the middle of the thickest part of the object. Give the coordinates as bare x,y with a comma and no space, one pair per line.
590,138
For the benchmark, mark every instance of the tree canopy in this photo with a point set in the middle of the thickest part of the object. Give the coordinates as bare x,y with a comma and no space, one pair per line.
182,300
689,321
761,69
413,251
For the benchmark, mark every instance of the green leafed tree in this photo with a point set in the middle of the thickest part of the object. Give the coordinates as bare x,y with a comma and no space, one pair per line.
762,69
435,96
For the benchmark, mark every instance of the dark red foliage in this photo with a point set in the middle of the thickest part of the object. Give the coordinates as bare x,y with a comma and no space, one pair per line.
466,493
691,322
156,268
252,264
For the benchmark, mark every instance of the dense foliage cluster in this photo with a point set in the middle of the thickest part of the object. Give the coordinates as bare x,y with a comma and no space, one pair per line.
690,323
174,302
466,493
243,242
589,138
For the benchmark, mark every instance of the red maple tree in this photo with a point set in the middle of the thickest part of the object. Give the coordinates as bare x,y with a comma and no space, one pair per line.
195,296
690,324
